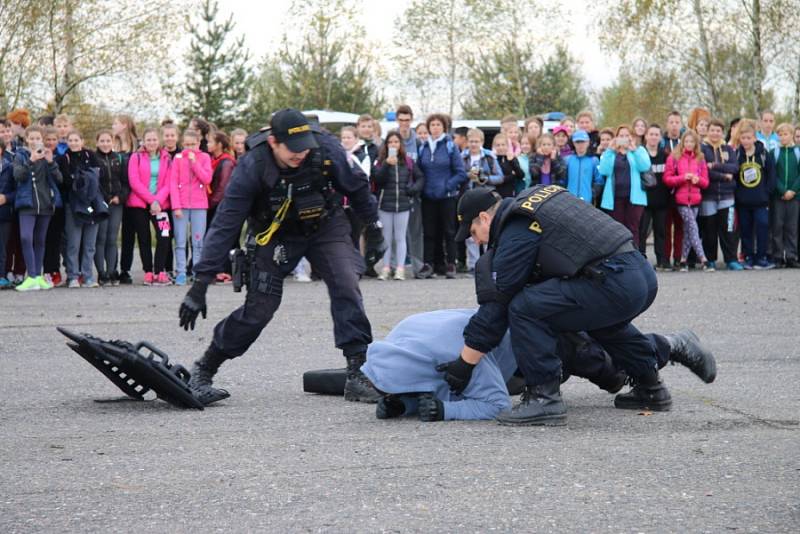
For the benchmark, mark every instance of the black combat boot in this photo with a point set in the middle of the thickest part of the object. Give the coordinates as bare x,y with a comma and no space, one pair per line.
357,387
539,405
686,349
203,371
648,392
389,407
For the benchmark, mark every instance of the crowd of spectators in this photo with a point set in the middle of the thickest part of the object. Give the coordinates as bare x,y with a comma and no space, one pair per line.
697,187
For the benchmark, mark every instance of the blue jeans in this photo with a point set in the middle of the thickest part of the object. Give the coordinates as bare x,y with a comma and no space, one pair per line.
77,232
105,256
197,219
395,225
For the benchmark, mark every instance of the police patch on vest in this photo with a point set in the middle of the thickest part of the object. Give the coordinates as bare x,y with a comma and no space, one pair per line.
532,202
572,233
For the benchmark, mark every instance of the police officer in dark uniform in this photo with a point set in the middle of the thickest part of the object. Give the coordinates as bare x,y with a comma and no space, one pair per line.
556,264
288,187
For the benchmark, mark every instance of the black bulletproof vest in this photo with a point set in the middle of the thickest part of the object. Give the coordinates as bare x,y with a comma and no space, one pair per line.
574,234
311,193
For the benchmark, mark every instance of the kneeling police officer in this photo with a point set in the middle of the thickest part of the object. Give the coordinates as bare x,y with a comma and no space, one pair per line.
556,264
287,186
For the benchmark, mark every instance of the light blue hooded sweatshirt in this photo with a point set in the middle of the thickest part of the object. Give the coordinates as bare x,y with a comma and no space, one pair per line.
405,362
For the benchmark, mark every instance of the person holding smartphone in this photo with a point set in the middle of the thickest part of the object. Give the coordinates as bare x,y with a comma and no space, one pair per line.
397,180
623,196
37,176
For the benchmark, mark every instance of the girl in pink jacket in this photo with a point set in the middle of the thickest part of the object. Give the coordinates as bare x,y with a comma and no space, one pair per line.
148,176
190,176
686,171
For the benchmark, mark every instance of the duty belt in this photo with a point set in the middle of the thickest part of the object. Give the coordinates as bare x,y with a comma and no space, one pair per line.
593,272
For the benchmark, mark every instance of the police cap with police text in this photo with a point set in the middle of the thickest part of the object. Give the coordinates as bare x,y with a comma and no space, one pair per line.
292,128
471,204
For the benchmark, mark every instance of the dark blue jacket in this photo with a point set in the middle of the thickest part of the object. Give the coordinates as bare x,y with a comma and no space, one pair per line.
720,162
37,184
755,194
8,187
443,169
86,198
513,263
253,177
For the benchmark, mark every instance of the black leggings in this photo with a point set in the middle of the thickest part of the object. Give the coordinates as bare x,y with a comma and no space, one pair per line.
141,219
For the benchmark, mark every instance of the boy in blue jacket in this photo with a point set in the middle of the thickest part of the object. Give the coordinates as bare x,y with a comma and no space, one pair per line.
582,172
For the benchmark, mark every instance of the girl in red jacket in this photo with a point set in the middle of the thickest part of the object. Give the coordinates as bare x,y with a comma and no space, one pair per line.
687,173
222,164
189,178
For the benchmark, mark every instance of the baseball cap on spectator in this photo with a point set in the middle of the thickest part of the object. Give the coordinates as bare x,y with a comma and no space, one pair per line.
580,136
292,128
558,129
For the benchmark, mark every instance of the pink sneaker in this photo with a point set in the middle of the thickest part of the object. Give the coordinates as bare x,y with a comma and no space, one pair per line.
148,279
163,279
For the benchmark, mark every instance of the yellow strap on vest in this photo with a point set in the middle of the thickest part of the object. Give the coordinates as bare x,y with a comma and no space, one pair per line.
263,238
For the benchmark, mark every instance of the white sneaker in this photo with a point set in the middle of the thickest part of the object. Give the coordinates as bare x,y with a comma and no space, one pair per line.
74,284
400,273
302,277
385,273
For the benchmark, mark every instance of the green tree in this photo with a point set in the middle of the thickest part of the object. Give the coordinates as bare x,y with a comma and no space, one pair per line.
329,70
560,84
699,41
436,41
506,79
59,53
650,95
218,77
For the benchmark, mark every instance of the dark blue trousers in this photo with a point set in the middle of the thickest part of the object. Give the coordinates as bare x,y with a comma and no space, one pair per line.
754,221
332,255
602,308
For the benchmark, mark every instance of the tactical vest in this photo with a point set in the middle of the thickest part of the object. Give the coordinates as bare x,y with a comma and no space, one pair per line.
574,234
311,186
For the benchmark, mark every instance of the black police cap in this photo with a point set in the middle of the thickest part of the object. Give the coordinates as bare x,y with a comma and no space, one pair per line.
471,204
292,128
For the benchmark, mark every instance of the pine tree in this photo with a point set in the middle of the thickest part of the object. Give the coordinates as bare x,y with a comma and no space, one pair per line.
217,84
506,80
330,69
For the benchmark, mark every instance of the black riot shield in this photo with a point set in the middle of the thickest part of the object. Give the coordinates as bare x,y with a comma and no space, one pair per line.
136,369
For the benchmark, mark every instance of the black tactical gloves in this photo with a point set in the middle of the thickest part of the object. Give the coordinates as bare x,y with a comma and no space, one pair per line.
457,374
194,303
375,246
430,408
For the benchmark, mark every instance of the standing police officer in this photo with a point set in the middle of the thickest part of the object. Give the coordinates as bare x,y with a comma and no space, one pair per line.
287,186
556,264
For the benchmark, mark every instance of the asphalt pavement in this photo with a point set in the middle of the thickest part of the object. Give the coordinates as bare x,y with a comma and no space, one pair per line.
275,459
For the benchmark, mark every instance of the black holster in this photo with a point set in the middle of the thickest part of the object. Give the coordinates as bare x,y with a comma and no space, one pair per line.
241,261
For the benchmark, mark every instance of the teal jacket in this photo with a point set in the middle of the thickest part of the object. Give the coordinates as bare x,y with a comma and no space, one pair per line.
639,162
